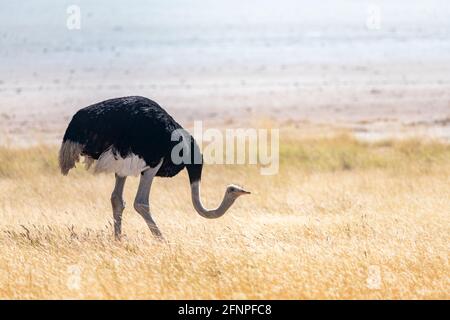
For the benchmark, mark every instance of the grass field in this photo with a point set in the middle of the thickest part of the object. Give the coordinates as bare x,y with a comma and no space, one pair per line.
342,219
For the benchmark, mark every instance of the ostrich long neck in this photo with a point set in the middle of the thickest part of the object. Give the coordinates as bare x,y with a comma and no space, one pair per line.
195,175
209,214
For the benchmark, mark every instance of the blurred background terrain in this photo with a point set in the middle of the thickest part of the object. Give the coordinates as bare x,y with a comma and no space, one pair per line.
378,68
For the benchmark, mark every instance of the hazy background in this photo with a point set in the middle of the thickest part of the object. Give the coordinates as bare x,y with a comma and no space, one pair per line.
229,62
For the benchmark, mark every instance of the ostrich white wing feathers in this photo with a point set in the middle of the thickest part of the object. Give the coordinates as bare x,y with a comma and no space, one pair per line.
132,165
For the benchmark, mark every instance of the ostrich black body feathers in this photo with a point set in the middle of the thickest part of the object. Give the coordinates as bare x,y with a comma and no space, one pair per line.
131,125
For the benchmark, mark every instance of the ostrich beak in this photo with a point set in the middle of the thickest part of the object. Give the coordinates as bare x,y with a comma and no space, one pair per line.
245,192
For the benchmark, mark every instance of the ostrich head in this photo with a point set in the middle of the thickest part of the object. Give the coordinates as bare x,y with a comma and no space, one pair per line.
234,191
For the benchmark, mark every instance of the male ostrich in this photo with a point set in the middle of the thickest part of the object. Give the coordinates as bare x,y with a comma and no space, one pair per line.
132,136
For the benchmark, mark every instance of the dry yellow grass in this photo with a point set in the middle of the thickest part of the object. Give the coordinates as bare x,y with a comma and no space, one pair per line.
342,219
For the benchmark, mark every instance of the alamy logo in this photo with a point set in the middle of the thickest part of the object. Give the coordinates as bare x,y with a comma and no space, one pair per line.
373,280
373,21
74,277
231,146
73,21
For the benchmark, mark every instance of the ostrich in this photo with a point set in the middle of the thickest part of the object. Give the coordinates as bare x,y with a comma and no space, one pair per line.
131,136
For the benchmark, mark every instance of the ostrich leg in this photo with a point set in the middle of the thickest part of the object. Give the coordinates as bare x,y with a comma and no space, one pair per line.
141,203
118,205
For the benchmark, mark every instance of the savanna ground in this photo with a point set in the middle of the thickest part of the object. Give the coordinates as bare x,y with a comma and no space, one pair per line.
342,219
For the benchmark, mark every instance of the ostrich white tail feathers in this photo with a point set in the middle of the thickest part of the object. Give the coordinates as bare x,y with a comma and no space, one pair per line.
69,154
